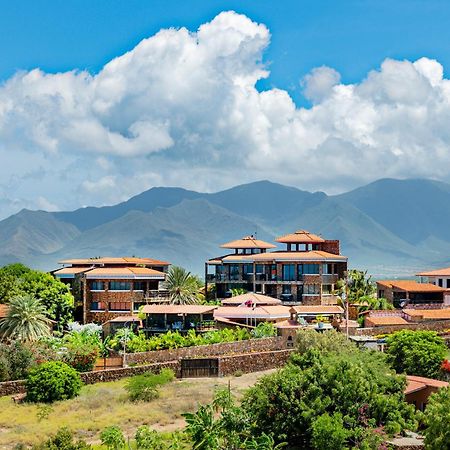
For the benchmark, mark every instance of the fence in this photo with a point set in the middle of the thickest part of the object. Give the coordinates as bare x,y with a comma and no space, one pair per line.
108,363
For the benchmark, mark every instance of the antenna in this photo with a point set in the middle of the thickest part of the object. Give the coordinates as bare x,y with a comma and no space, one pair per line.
256,232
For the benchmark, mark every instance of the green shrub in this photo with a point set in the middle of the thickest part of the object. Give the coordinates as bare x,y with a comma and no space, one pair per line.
264,329
148,439
329,432
16,359
82,358
52,381
113,438
63,440
145,387
437,421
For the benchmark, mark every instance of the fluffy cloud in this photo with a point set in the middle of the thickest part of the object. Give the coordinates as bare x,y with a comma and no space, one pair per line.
181,108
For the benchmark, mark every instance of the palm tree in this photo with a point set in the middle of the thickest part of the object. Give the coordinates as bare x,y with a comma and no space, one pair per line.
26,319
183,286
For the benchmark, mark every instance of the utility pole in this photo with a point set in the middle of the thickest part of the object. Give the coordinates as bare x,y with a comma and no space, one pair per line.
345,301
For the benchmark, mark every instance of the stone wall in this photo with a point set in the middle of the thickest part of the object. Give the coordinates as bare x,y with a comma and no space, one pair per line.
253,362
436,325
12,387
205,351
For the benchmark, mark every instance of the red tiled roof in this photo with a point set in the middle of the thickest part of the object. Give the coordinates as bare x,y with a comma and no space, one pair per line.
120,260
429,314
435,273
410,286
178,309
300,237
256,299
125,272
70,270
125,319
385,320
314,255
3,310
259,312
248,242
426,381
317,309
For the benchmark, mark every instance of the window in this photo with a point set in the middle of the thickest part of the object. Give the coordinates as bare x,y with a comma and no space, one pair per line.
119,286
327,269
381,293
139,286
286,289
97,286
288,272
311,289
258,288
309,269
97,306
259,269
440,282
119,306
273,272
448,283
248,269
234,272
327,289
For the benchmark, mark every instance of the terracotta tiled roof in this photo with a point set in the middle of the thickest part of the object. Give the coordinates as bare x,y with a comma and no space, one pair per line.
125,319
256,299
259,312
289,324
428,314
300,237
435,273
3,310
121,260
317,309
410,286
125,272
178,309
314,256
248,242
378,321
426,381
70,270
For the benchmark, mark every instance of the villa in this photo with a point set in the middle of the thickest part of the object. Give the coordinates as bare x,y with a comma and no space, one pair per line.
440,278
305,272
106,288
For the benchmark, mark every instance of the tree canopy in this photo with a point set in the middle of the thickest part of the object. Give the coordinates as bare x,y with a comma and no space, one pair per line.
437,421
183,286
416,352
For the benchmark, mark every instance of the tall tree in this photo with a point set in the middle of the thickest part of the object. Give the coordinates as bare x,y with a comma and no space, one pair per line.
183,287
26,320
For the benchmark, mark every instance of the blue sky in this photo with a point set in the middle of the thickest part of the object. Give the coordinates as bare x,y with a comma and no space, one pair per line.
321,95
352,36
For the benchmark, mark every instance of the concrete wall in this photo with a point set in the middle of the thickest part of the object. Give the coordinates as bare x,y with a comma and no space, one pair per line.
205,351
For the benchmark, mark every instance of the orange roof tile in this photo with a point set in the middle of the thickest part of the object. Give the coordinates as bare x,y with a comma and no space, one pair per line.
113,260
124,319
256,299
289,324
435,273
429,314
125,272
317,309
178,309
427,381
300,237
410,286
248,242
70,270
314,255
385,320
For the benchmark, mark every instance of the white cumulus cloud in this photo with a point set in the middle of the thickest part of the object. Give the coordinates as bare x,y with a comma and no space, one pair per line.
181,108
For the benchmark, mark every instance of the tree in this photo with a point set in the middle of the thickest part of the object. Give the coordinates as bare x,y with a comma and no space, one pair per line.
26,320
113,438
339,395
359,286
183,287
416,352
437,421
10,276
54,294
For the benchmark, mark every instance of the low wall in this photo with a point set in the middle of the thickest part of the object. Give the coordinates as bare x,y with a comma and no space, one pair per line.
253,362
211,350
12,387
437,325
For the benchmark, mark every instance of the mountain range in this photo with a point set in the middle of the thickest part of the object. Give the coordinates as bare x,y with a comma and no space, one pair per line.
389,227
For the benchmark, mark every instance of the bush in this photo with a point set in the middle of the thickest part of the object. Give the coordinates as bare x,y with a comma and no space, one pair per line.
16,359
145,387
52,381
416,352
264,329
148,439
329,432
81,358
113,438
437,423
63,440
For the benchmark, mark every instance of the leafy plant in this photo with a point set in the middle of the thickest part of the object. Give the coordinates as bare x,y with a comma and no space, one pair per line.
264,329
183,286
16,358
148,439
26,319
436,419
52,381
81,357
416,352
113,438
63,440
145,387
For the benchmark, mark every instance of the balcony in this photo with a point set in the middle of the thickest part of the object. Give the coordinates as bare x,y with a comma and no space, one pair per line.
160,295
210,278
329,279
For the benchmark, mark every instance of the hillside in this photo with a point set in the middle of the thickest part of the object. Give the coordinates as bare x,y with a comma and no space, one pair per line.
389,226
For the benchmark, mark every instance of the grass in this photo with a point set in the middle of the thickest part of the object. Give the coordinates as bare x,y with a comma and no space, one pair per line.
104,404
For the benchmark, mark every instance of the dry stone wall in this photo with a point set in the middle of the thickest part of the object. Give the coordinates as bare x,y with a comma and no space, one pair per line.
437,325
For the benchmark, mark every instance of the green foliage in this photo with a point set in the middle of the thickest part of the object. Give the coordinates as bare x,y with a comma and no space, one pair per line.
113,438
16,359
437,421
173,339
357,387
329,432
329,342
264,329
52,381
63,440
145,387
416,352
359,286
183,286
81,358
148,439
26,319
238,291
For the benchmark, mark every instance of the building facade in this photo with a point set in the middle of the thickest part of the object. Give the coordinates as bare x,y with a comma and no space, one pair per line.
105,288
305,272
440,278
